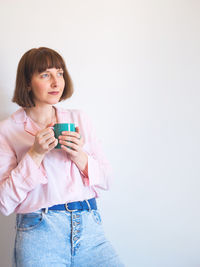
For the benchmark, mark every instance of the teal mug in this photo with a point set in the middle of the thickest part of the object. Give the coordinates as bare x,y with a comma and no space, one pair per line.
58,128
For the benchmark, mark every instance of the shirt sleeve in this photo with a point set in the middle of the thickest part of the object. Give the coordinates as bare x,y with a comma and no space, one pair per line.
99,169
16,179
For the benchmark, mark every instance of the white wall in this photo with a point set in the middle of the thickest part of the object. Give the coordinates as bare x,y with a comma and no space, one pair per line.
135,67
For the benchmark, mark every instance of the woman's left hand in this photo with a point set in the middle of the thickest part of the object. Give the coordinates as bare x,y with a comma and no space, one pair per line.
75,141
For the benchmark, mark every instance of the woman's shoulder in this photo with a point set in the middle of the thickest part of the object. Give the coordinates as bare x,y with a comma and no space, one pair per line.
8,123
4,125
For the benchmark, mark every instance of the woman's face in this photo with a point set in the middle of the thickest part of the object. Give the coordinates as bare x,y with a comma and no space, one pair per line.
47,87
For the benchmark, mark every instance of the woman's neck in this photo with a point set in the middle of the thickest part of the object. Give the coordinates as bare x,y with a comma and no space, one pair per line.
42,115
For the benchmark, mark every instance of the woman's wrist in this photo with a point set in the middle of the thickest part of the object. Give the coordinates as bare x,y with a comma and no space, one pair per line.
37,158
85,166
82,163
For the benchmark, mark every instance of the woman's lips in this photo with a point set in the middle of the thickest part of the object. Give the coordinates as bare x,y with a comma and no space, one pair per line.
53,93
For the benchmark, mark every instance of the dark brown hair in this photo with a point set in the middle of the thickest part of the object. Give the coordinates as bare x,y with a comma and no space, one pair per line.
37,60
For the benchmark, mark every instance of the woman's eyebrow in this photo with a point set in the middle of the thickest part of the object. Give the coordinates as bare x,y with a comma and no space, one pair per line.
48,70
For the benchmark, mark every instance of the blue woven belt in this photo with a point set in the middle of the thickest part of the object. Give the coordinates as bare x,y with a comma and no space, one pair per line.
89,204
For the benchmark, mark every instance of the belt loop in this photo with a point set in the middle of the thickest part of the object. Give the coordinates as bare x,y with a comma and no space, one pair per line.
88,205
46,210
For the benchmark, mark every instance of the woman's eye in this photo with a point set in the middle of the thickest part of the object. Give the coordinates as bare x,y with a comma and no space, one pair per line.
60,73
44,75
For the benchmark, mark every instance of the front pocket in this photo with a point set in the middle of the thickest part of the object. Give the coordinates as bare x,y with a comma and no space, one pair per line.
28,221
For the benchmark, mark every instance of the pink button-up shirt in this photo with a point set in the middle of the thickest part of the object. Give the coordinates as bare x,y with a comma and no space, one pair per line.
25,187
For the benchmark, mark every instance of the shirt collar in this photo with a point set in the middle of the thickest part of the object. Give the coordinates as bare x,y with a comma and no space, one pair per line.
29,126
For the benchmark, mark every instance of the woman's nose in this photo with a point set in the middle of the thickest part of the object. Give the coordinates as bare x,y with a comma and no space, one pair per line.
54,81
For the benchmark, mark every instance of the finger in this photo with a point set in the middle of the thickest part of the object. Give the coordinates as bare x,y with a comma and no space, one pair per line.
70,139
73,134
54,144
50,140
69,144
44,132
78,131
69,151
44,138
50,124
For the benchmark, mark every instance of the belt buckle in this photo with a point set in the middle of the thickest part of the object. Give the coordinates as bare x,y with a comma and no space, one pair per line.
66,206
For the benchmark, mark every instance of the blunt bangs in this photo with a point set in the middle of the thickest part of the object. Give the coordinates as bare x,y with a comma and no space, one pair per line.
40,60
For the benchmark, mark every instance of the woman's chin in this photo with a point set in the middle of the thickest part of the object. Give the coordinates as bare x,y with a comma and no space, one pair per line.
53,101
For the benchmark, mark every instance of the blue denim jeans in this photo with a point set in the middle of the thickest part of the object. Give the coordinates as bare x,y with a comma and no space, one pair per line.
62,238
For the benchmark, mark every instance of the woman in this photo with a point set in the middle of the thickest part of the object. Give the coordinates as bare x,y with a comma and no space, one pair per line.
52,191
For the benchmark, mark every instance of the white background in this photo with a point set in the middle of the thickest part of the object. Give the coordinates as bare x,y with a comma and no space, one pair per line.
135,67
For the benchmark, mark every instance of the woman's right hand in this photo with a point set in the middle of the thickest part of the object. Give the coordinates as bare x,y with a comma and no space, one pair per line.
44,142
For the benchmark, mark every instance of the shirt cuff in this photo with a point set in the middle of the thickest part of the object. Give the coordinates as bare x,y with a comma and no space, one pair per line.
31,174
